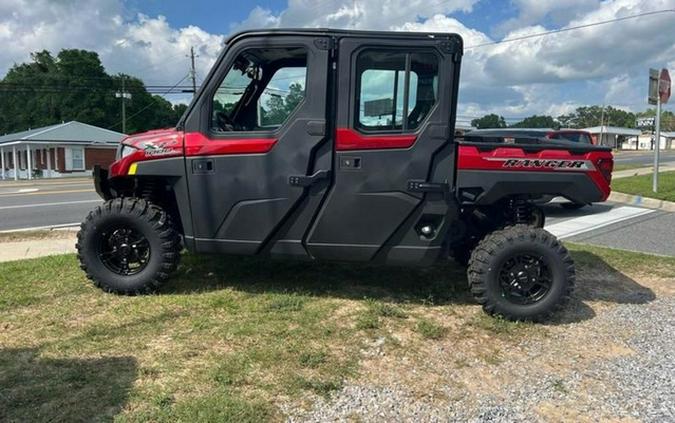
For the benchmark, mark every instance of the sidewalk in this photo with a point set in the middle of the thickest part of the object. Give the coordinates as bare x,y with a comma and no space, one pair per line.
664,167
44,181
32,248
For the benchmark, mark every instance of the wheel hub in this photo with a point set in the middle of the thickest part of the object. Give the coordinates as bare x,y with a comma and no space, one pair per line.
124,250
525,278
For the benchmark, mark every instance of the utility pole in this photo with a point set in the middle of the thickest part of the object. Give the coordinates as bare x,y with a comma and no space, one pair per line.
124,95
657,144
193,72
602,123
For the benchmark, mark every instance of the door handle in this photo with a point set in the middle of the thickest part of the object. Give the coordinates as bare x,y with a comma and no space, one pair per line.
423,186
308,180
316,128
202,166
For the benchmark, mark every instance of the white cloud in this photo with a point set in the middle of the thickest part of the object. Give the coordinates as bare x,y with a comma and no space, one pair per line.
146,47
602,51
383,14
534,11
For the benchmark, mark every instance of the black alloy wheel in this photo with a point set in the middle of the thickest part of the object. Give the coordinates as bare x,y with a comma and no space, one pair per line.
525,278
521,273
128,246
124,250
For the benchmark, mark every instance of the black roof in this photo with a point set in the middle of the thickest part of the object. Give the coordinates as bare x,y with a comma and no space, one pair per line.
345,33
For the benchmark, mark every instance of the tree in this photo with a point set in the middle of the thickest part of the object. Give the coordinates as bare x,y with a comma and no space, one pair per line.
588,116
536,121
489,121
278,108
74,86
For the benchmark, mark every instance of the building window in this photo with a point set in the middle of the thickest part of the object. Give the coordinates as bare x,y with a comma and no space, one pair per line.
396,90
261,90
74,158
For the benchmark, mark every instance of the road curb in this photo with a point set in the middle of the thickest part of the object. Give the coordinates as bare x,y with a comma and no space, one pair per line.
638,200
639,171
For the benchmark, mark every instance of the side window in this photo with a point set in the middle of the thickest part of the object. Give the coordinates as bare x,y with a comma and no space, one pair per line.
261,90
396,90
281,97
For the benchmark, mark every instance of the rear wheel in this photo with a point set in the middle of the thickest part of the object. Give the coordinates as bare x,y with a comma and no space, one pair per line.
128,246
521,273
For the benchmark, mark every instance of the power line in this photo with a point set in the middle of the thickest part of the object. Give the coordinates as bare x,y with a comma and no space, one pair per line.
149,104
571,28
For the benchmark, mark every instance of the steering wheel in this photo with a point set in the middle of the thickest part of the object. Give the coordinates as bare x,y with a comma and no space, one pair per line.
224,122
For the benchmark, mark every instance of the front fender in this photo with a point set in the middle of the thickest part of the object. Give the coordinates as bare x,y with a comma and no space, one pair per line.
102,183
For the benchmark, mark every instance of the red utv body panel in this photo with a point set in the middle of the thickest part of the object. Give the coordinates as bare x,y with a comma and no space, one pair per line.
595,165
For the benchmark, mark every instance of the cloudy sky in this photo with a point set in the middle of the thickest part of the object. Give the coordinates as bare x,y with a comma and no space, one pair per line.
604,64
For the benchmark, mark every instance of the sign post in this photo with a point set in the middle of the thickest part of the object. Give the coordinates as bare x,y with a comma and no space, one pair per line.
662,95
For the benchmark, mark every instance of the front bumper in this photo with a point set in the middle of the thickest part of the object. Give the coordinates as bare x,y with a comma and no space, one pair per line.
102,183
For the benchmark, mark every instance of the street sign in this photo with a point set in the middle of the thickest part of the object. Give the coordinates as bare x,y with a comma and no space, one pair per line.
659,91
379,107
653,95
645,122
664,86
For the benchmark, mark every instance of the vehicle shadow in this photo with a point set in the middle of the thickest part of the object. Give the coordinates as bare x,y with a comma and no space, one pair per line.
46,389
553,210
437,285
596,280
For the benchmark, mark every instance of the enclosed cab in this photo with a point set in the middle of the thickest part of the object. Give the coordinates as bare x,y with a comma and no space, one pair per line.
337,145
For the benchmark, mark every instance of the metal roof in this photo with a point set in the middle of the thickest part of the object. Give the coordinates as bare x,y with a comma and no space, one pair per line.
613,130
72,132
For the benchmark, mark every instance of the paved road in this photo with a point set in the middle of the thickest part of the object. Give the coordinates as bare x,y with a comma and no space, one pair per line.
64,202
645,158
45,203
616,226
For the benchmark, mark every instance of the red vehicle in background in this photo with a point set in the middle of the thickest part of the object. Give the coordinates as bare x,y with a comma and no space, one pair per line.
509,135
574,135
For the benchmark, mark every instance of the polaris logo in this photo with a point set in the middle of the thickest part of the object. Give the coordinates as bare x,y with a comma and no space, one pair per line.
553,164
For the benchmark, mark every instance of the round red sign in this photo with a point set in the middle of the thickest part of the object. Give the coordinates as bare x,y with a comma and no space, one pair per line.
664,85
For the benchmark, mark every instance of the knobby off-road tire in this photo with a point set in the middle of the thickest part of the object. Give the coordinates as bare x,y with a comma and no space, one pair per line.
128,246
521,273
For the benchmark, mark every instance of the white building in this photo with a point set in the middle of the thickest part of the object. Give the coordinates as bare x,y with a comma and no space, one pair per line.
646,141
69,148
612,136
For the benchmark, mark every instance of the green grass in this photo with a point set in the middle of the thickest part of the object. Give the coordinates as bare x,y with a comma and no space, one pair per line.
224,339
642,185
610,260
229,338
430,330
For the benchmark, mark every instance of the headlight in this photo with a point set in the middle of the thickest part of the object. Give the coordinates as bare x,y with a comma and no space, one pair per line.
124,150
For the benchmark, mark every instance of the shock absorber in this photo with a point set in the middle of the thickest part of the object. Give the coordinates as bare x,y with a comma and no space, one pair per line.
522,211
148,190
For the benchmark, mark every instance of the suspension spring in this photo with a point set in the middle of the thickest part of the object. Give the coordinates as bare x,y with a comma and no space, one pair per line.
522,210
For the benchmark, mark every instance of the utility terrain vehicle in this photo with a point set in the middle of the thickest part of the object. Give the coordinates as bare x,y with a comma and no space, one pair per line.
339,145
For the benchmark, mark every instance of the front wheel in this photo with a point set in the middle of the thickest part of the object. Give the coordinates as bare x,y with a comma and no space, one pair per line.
128,246
521,273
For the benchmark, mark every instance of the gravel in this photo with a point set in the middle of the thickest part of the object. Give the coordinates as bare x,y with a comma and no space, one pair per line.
638,385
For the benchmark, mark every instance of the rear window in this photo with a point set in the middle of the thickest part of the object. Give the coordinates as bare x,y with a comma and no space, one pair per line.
580,137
